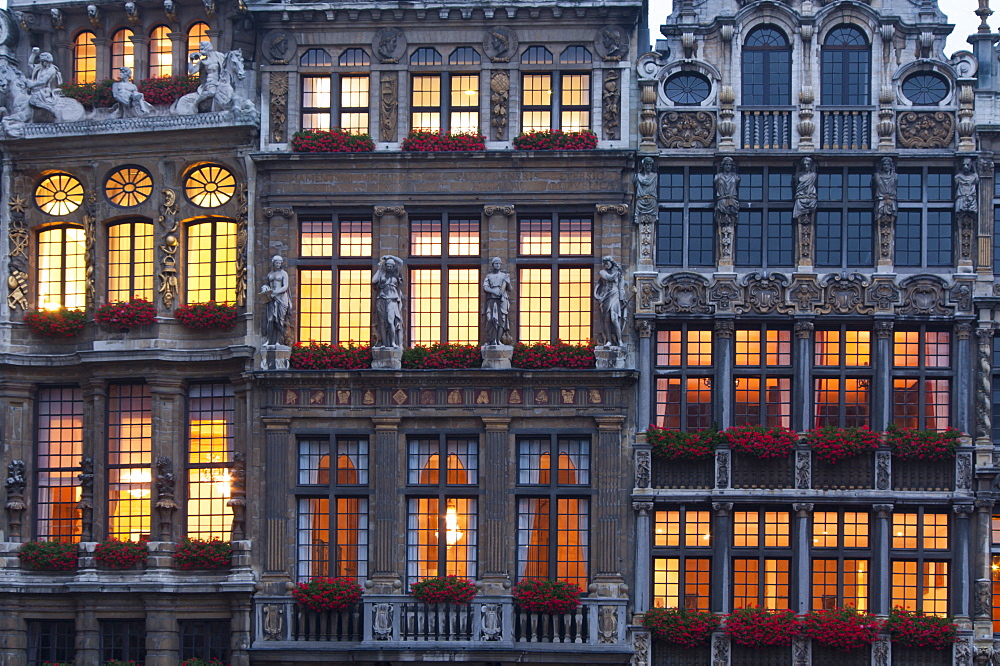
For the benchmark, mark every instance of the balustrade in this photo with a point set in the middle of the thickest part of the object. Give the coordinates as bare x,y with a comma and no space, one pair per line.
766,129
845,129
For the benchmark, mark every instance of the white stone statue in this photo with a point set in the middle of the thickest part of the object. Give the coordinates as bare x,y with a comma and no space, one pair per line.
131,101
496,309
389,289
609,292
44,94
220,74
279,303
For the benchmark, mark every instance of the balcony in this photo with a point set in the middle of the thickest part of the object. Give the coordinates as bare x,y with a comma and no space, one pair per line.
390,622
766,128
845,128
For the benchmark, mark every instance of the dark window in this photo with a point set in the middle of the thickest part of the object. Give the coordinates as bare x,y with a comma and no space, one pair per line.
842,367
767,68
50,641
687,88
123,640
844,219
204,639
686,226
846,67
764,234
924,227
684,379
536,55
925,88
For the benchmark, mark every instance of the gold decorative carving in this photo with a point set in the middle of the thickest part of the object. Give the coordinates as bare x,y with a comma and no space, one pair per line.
279,105
612,104
17,244
89,244
499,99
389,106
930,129
687,129
241,245
168,260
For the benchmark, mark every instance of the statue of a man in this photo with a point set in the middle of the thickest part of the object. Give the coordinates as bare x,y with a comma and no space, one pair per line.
496,309
133,103
388,285
885,182
215,85
966,190
806,199
279,304
645,188
727,193
609,292
44,81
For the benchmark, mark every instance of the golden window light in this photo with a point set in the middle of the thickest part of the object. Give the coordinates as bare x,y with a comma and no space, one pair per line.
59,194
210,186
128,186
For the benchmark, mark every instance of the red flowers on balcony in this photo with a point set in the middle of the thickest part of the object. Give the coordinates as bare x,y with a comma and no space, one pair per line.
547,596
126,315
331,141
762,628
207,316
687,628
48,555
760,442
914,629
198,554
832,444
844,629
61,323
443,590
115,554
419,141
912,444
677,445
556,140
327,594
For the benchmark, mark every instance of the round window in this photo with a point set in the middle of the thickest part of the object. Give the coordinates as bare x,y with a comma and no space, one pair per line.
210,186
925,88
128,186
59,194
687,88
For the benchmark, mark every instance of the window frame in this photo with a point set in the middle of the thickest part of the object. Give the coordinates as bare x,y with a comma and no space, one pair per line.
556,107
70,301
923,373
139,272
117,395
74,398
221,286
228,411
840,553
85,63
921,556
685,372
763,372
122,52
780,231
336,75
836,78
847,206
764,554
776,84
686,207
925,208
842,372
688,596
160,69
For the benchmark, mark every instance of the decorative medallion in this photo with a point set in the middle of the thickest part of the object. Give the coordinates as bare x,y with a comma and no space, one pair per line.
765,293
932,129
611,43
59,194
687,129
594,396
278,47
128,186
368,398
400,397
389,44
500,43
923,295
844,294
210,186
684,293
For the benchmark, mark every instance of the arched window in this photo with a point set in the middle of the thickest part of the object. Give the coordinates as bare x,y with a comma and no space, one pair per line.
161,59
130,261
84,58
767,68
197,34
61,268
847,64
122,54
211,262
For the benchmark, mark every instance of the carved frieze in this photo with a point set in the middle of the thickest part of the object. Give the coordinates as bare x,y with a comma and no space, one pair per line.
765,293
684,293
804,294
388,106
926,129
499,101
844,294
722,468
17,253
611,100
882,294
642,468
168,248
803,470
963,471
279,105
924,295
883,480
726,295
686,129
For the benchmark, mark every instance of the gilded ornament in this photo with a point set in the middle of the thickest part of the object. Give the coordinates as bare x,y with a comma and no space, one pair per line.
687,129
929,129
168,259
241,245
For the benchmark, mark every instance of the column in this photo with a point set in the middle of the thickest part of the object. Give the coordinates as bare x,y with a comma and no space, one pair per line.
103,46
279,546
960,575
964,377
802,386
179,52
14,647
721,577
162,636
140,56
94,460
981,561
644,327
496,535
880,571
169,456
723,389
240,632
984,395
800,559
882,382
643,556
385,464
392,230
607,510
88,637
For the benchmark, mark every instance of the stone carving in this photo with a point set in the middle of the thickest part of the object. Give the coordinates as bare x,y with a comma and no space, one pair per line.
882,294
720,650
238,498
984,656
800,652
389,289
844,294
722,469
611,100
983,598
647,292
963,471
961,297
95,16
500,209
36,98
170,10
804,294
687,129
168,259
984,351
16,506
492,622
684,292
966,206
765,293
500,43
883,481
90,249
241,245
389,45
274,622
884,183
278,47
131,102
804,329
165,503
644,328
883,329
611,43
279,105
86,503
926,129
279,303
642,468
607,624
924,295
880,652
56,16
389,106
609,292
132,13
727,207
640,648
220,73
499,99
17,254
803,471
963,654
496,306
382,621
724,328
804,210
645,188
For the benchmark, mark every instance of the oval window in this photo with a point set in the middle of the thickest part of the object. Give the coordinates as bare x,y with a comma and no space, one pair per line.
128,186
59,194
210,186
925,88
687,88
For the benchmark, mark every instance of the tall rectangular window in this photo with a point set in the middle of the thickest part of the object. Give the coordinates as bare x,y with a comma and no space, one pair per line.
352,97
841,559
763,390
51,641
567,107
205,639
919,560
463,114
764,233
762,559
333,507
61,268
682,558
130,448
536,103
842,377
130,261
161,57
316,101
426,103
211,262
924,224
921,379
60,445
844,229
684,379
354,103
123,640
210,451
575,103
685,233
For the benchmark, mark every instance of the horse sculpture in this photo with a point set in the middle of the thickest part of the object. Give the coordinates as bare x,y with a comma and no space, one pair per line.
220,74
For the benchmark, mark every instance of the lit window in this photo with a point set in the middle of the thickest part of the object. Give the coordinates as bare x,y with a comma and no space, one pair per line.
161,58
921,382
211,262
333,527
197,34
840,584
60,444
59,194
427,103
84,58
354,299
920,586
354,58
920,547
210,186
128,186
575,107
684,401
122,54
61,268
682,563
354,103
536,113
690,529
130,261
316,102
210,450
130,436
764,397
761,582
842,389
464,110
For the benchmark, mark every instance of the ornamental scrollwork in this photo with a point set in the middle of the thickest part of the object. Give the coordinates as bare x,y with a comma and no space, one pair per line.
17,253
765,293
882,294
924,295
499,99
930,129
844,294
279,105
687,129
684,293
611,99
241,245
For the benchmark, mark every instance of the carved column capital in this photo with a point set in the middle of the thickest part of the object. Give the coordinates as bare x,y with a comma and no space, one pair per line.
724,328
615,209
883,328
722,507
642,508
286,213
389,211
963,330
963,510
804,329
882,510
803,508
506,210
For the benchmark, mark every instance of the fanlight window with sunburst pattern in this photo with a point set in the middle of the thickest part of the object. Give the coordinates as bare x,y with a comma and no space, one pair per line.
210,186
59,194
128,186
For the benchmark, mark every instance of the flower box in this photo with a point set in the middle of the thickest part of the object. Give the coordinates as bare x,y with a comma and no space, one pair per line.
166,90
331,141
675,445
327,594
761,628
61,323
556,140
126,315
542,356
760,441
913,444
683,474
913,629
844,629
923,475
49,555
834,445
198,554
855,473
442,356
210,316
115,554
437,142
443,590
546,596
323,356
751,472
681,627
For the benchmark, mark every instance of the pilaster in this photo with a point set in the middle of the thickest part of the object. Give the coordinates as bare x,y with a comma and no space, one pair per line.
724,372
385,553
278,549
801,555
721,577
882,382
392,230
162,636
801,387
644,328
881,573
643,556
95,410
496,506
960,606
608,513
168,439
